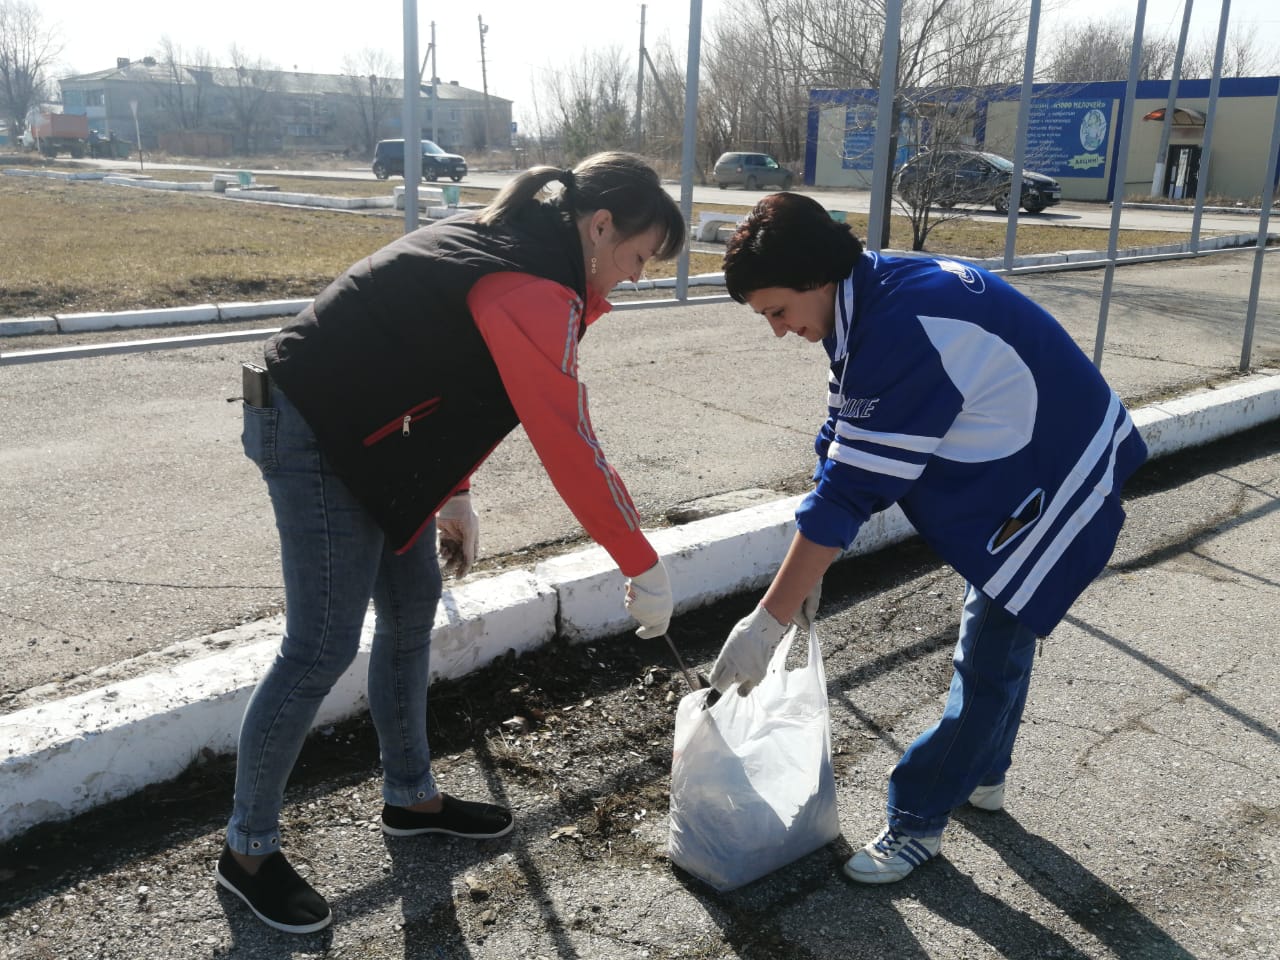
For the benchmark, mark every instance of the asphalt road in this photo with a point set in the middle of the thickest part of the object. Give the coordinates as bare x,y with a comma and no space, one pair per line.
132,521
1140,820
1070,213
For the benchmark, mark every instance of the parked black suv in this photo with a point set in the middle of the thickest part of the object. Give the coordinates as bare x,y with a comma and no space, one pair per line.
948,177
388,161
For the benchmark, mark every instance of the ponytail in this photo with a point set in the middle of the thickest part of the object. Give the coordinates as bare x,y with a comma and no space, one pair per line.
618,182
519,191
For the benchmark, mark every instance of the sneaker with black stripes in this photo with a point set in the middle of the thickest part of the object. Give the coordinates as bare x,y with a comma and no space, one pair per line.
276,894
891,856
456,818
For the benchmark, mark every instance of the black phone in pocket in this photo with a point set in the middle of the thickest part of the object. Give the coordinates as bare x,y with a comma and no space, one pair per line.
257,385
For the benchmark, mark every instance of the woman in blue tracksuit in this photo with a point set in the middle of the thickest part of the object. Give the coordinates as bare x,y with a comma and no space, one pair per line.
968,405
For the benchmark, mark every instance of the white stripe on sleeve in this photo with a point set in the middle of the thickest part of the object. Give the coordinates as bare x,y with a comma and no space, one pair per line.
874,464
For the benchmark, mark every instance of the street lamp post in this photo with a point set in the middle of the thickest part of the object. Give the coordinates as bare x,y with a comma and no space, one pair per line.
133,106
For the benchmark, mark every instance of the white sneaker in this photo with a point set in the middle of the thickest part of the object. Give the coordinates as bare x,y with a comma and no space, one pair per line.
989,797
891,856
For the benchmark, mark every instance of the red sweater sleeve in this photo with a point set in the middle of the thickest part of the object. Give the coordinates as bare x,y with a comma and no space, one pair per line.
531,328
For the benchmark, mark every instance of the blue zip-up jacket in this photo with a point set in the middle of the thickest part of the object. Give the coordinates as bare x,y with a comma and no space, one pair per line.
956,397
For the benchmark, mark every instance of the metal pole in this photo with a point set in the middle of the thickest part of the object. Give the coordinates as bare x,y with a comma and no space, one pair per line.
409,123
484,77
1128,112
687,154
640,86
137,133
1202,174
1268,198
1024,120
1162,151
435,87
881,168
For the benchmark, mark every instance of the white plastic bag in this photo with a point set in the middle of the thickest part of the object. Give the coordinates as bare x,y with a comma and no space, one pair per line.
752,787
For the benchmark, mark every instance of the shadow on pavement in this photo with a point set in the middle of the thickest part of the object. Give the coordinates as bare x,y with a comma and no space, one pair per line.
1061,880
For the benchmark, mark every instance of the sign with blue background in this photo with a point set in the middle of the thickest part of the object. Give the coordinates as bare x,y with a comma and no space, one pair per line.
859,137
1069,137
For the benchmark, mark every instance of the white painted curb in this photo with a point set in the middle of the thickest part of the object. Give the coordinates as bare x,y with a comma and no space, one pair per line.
248,310
80,322
1204,417
65,757
21,326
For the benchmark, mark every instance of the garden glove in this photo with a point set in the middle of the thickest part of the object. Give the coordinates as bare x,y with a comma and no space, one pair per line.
649,601
458,527
808,609
744,658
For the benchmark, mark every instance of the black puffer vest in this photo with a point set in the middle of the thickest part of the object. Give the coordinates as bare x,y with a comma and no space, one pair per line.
390,372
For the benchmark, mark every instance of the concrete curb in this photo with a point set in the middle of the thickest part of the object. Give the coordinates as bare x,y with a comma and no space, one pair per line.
247,310
67,756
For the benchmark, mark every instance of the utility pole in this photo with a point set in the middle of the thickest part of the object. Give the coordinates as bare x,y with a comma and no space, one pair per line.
435,82
484,79
640,86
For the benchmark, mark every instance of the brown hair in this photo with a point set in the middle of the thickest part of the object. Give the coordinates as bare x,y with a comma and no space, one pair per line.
621,183
788,240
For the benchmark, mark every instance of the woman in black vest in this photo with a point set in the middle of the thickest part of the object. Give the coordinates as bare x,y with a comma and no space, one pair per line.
385,395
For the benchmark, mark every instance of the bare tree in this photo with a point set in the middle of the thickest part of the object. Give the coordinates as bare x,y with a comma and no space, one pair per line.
255,84
663,106
948,49
589,103
1242,56
372,91
726,98
1101,50
754,95
27,50
183,97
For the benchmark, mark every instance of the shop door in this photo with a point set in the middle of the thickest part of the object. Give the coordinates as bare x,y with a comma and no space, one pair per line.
1183,172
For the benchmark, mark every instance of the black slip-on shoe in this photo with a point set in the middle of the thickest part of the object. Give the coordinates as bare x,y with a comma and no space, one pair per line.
457,818
276,894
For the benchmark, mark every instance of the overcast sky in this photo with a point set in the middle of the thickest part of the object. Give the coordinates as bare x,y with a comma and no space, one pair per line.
524,39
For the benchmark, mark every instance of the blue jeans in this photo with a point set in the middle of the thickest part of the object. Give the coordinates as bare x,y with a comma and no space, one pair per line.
972,745
335,558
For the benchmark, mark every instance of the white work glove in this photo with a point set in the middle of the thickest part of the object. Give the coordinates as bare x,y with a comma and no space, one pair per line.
744,658
458,527
649,601
808,609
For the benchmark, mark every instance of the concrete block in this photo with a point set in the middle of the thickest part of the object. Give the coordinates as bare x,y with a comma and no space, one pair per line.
1082,256
480,621
715,558
1204,417
149,184
264,308
435,197
21,326
65,757
589,591
709,224
707,561
883,529
79,322
1040,260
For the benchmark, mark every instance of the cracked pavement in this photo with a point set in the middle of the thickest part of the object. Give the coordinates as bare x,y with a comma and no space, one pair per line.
1142,817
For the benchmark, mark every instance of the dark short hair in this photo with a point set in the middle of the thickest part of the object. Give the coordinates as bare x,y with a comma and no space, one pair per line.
788,240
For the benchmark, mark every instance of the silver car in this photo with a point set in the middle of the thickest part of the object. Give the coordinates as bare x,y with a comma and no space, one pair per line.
751,171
